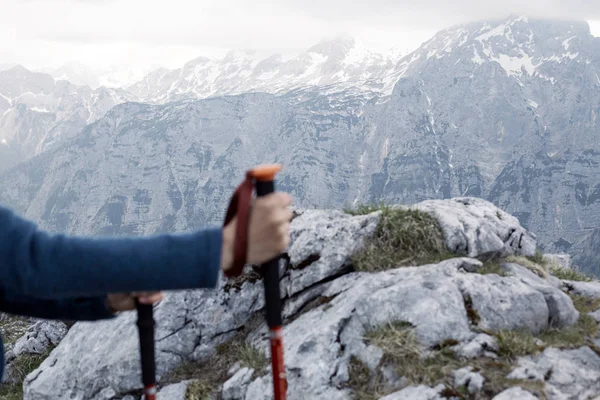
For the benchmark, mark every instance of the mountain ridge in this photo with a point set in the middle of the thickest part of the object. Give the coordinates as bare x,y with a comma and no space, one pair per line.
504,111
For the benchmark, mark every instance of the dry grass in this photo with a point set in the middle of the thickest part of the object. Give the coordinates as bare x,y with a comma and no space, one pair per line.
492,267
436,365
568,274
365,385
22,366
548,267
397,340
402,349
516,343
585,304
198,390
13,327
212,373
538,258
536,267
495,371
403,238
11,391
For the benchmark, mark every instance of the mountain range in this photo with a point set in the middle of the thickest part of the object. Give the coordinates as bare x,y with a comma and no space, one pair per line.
116,76
503,109
37,111
340,62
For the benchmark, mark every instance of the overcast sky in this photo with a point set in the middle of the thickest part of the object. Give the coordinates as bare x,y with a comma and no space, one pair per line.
141,33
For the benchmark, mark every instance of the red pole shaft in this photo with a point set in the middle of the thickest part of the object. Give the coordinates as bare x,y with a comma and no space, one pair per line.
150,392
265,184
279,378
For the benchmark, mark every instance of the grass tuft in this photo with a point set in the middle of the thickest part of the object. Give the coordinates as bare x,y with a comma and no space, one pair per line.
516,343
366,386
22,366
212,373
568,274
492,267
538,258
538,268
573,336
585,304
434,366
404,237
401,348
198,390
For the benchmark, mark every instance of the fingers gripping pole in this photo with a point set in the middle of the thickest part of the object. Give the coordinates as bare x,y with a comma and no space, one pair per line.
264,185
145,325
262,179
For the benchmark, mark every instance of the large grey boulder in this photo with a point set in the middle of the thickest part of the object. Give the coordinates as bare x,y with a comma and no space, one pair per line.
474,226
420,392
589,289
39,337
515,393
175,391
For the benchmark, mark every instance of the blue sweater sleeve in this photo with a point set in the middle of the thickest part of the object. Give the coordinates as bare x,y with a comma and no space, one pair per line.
77,309
36,264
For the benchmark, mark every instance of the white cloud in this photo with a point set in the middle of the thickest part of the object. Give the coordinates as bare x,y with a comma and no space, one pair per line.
169,32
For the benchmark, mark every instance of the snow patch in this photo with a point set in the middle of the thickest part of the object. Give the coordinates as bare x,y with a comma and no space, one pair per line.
7,99
357,55
497,31
514,65
40,110
386,148
549,78
566,43
465,38
477,58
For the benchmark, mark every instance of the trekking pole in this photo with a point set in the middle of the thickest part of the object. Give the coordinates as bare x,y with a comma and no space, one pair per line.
263,179
145,323
265,185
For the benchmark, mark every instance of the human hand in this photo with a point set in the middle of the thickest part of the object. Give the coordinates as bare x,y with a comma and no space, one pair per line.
269,227
126,301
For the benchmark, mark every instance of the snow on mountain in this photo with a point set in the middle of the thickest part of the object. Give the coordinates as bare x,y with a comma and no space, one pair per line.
116,76
522,49
4,66
341,61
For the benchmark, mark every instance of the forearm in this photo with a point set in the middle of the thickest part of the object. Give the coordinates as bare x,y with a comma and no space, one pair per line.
39,265
77,309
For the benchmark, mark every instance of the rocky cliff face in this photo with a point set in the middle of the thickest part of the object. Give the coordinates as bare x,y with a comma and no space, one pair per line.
490,320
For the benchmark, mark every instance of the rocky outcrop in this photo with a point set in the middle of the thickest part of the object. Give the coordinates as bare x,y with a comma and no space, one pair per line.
40,337
461,310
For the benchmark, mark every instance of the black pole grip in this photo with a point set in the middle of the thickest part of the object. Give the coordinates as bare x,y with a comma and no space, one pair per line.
145,325
270,271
